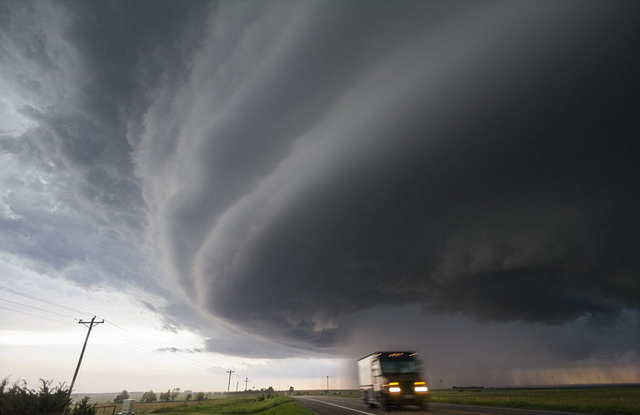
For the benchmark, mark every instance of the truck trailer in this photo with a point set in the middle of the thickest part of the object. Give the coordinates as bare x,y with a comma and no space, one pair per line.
392,378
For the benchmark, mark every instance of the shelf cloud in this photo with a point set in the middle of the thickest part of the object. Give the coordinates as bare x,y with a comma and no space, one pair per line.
290,165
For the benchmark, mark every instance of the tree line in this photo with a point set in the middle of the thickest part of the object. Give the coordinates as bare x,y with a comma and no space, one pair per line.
169,395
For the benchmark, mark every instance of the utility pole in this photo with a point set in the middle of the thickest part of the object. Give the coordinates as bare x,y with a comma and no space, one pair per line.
441,384
90,326
327,385
229,385
246,382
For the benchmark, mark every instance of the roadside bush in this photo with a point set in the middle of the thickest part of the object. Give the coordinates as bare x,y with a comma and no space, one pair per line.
84,408
20,400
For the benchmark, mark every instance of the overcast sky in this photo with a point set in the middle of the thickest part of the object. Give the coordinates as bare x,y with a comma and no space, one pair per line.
281,187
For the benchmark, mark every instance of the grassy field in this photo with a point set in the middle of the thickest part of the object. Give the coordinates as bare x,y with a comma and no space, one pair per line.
611,400
606,400
231,406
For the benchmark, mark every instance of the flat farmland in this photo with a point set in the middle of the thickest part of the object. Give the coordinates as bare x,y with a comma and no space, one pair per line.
236,406
602,400
596,400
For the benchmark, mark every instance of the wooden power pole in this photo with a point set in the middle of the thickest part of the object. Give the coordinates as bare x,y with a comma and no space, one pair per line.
229,385
90,326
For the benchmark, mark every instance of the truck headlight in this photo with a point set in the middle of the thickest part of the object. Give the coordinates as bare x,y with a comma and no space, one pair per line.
394,389
420,386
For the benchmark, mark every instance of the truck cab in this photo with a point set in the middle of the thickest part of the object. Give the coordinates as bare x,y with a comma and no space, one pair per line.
392,378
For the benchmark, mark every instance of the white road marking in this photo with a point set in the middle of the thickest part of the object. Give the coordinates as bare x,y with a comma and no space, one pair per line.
339,406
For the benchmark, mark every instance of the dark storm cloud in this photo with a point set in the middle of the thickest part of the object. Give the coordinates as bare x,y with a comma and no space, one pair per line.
486,165
252,347
462,352
81,75
293,163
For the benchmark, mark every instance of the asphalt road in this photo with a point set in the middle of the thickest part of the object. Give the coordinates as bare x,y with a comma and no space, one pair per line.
329,405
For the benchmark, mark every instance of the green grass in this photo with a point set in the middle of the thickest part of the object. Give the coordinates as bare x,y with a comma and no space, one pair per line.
623,400
239,406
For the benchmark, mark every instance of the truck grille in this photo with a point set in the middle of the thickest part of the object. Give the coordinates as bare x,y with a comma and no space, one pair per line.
406,386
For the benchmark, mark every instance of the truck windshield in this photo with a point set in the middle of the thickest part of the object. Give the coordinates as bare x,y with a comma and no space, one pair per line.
400,366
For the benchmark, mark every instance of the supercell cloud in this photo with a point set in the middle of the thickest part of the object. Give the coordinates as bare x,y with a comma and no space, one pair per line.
290,164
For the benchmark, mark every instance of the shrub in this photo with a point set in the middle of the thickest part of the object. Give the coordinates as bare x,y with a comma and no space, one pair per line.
18,399
84,408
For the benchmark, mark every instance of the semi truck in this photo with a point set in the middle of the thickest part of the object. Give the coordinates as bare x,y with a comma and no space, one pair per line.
392,378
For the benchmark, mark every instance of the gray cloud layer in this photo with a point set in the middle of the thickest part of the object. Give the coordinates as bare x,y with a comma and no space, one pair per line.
293,163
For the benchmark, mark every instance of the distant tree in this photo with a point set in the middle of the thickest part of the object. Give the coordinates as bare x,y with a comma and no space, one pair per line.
165,396
84,408
121,397
149,396
269,391
174,394
188,397
200,396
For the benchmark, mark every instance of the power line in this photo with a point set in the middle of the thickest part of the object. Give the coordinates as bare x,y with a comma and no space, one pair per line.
49,302
36,308
35,315
170,357
33,297
198,364
201,364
